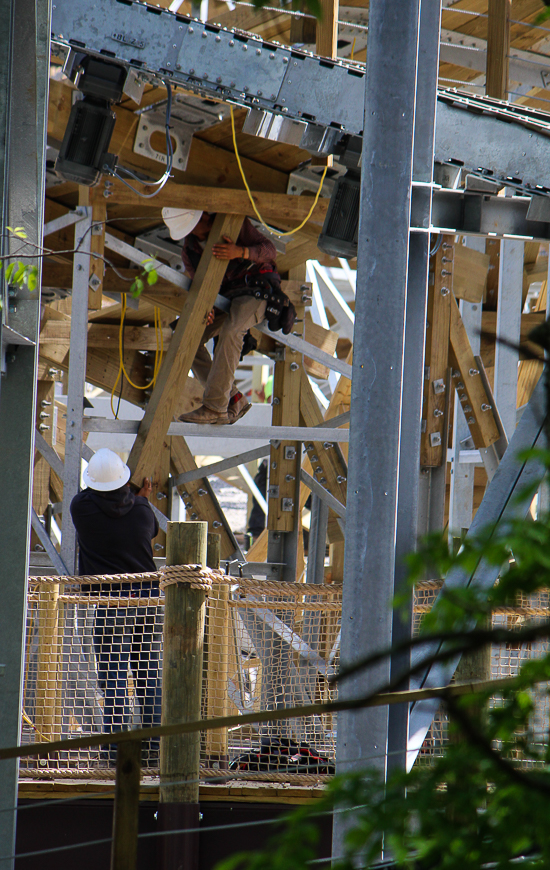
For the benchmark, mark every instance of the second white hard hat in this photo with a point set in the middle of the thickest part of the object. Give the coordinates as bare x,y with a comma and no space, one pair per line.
180,221
106,471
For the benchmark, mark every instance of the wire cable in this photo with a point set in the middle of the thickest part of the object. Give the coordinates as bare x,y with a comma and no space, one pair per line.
169,158
256,212
159,352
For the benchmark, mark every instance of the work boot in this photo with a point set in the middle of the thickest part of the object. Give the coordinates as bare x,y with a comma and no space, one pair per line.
238,407
202,414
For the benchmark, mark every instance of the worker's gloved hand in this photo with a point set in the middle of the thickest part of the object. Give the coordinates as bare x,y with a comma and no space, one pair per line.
210,317
146,489
229,251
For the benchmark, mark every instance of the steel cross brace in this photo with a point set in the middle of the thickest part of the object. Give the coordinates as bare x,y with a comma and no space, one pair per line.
500,505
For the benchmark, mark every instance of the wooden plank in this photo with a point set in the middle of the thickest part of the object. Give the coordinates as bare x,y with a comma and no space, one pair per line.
198,497
281,504
106,336
327,29
272,205
326,340
433,443
470,270
469,386
498,48
182,350
93,196
328,464
531,370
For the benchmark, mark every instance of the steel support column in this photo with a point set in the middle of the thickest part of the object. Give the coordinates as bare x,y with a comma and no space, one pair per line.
413,369
23,102
77,375
510,287
377,384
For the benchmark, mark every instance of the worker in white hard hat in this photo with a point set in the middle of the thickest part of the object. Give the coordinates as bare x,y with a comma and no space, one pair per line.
250,255
115,529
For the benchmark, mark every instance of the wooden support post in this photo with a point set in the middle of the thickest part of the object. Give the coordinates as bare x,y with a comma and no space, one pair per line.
97,247
284,461
433,445
182,672
126,806
181,353
498,48
327,29
45,718
217,668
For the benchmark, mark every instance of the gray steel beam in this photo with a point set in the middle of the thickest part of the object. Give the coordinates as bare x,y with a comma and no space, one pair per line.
510,290
320,492
377,384
413,367
499,505
77,375
24,65
317,541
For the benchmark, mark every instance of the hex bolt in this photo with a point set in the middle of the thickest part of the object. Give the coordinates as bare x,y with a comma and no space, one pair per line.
202,492
190,30
327,445
275,400
473,372
289,477
445,291
204,34
43,428
314,458
318,470
471,421
294,366
45,404
323,480
158,547
43,415
216,524
438,413
245,47
161,495
184,494
191,71
467,409
218,38
219,79
285,59
486,407
189,506
341,479
308,447
460,386
194,516
231,43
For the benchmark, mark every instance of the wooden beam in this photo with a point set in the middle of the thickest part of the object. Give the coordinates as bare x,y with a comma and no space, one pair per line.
433,444
498,48
198,496
182,350
106,336
327,29
470,271
469,385
272,206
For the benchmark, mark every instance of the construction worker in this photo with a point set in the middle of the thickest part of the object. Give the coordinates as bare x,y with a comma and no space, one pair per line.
251,258
115,529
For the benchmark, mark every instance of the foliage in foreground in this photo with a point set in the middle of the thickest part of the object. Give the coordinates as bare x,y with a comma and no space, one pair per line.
475,806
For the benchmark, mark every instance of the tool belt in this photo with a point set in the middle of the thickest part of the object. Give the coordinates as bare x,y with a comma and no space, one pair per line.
280,312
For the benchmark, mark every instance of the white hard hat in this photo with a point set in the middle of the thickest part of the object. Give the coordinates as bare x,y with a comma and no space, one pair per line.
180,221
106,471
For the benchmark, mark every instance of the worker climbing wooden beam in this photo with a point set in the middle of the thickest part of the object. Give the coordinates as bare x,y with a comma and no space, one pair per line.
183,347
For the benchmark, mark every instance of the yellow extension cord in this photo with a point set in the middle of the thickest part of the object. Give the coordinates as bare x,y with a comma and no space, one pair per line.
158,353
257,213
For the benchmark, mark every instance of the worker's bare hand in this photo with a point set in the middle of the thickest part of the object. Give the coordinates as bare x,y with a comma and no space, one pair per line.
228,251
210,317
146,489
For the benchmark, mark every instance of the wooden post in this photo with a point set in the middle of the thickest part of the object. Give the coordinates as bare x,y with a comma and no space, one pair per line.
45,718
181,699
498,49
126,806
217,668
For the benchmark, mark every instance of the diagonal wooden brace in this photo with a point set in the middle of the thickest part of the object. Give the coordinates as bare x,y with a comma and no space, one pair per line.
182,350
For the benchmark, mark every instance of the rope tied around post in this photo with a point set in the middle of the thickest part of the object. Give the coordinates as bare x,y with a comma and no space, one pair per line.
194,576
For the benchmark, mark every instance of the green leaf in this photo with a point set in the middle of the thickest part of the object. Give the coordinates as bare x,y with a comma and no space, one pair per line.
152,277
148,265
32,280
9,272
19,276
137,287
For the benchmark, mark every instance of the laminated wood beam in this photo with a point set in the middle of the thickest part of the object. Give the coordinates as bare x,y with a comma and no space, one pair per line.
433,443
477,406
470,271
93,196
498,48
273,206
199,498
181,353
106,336
285,457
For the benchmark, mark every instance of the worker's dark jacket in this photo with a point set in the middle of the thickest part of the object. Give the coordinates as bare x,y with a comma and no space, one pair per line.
114,531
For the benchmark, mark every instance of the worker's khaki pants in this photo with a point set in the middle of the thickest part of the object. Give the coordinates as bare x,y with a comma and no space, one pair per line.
217,375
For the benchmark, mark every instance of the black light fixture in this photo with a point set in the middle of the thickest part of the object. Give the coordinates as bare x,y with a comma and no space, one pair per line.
84,150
